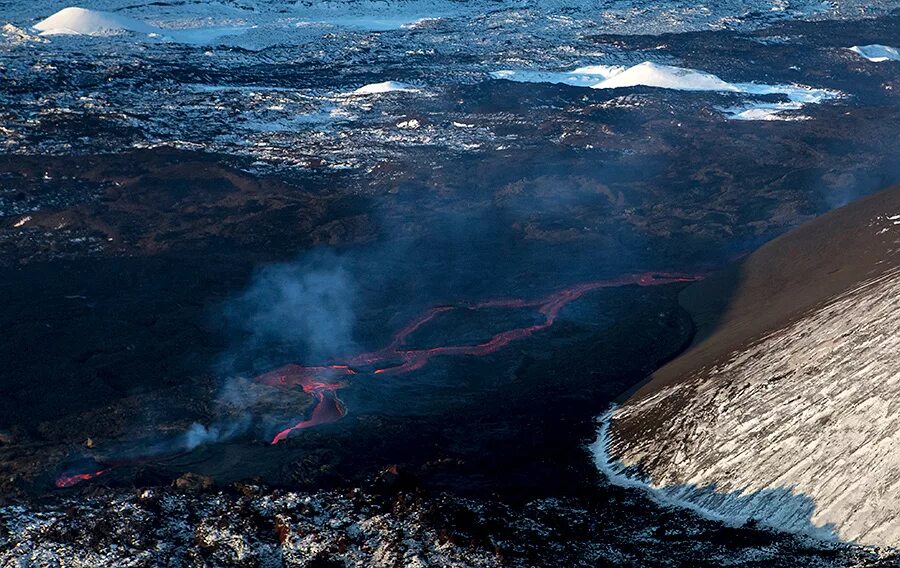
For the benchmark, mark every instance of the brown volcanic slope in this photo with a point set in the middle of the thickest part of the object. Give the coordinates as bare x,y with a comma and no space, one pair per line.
786,408
783,279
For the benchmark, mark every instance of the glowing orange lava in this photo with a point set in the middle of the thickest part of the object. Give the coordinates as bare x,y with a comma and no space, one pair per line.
318,381
322,382
75,479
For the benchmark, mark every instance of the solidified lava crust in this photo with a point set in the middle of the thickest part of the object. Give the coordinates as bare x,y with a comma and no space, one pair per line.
322,383
328,407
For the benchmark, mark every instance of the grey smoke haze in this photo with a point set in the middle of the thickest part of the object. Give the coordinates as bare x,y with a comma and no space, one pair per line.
198,434
308,304
301,311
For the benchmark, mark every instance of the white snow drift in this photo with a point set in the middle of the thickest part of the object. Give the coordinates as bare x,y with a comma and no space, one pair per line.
581,77
800,431
79,21
84,22
649,74
876,53
385,87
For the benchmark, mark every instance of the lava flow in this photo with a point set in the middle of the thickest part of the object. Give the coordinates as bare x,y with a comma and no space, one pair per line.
76,478
328,407
394,359
323,382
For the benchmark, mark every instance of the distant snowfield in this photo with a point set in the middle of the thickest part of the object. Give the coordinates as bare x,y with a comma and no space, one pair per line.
197,28
81,21
277,21
876,53
372,23
800,431
649,74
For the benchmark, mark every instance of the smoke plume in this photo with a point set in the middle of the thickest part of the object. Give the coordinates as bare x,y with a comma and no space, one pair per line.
306,306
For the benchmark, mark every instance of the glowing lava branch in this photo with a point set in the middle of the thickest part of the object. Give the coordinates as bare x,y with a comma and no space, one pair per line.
76,478
314,380
329,408
323,382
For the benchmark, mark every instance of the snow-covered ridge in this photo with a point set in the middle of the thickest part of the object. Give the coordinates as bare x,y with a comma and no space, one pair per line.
877,53
83,22
79,21
650,74
800,431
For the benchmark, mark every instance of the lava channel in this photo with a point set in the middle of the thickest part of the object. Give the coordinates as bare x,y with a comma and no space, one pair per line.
76,478
322,382
395,359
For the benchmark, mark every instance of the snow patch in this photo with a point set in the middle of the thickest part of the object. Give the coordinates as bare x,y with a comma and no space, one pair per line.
95,23
581,77
765,111
649,74
877,53
80,21
385,87
15,36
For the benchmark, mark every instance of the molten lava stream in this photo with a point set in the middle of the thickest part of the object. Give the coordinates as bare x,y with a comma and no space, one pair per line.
76,478
323,382
328,407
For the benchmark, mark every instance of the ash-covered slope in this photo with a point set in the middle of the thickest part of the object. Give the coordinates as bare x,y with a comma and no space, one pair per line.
786,408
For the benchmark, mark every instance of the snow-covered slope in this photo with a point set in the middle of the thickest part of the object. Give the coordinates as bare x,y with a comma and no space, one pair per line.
383,87
80,21
877,53
799,428
83,22
650,74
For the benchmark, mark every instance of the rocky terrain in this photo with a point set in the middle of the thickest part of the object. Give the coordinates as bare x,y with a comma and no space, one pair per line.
249,525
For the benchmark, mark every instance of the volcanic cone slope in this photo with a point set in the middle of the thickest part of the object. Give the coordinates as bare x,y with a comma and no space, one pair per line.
790,395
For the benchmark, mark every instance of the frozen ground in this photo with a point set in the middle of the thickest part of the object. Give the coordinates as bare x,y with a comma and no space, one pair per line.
251,526
266,81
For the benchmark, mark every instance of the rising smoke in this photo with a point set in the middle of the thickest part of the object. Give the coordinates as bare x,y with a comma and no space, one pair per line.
303,310
306,306
198,434
292,311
